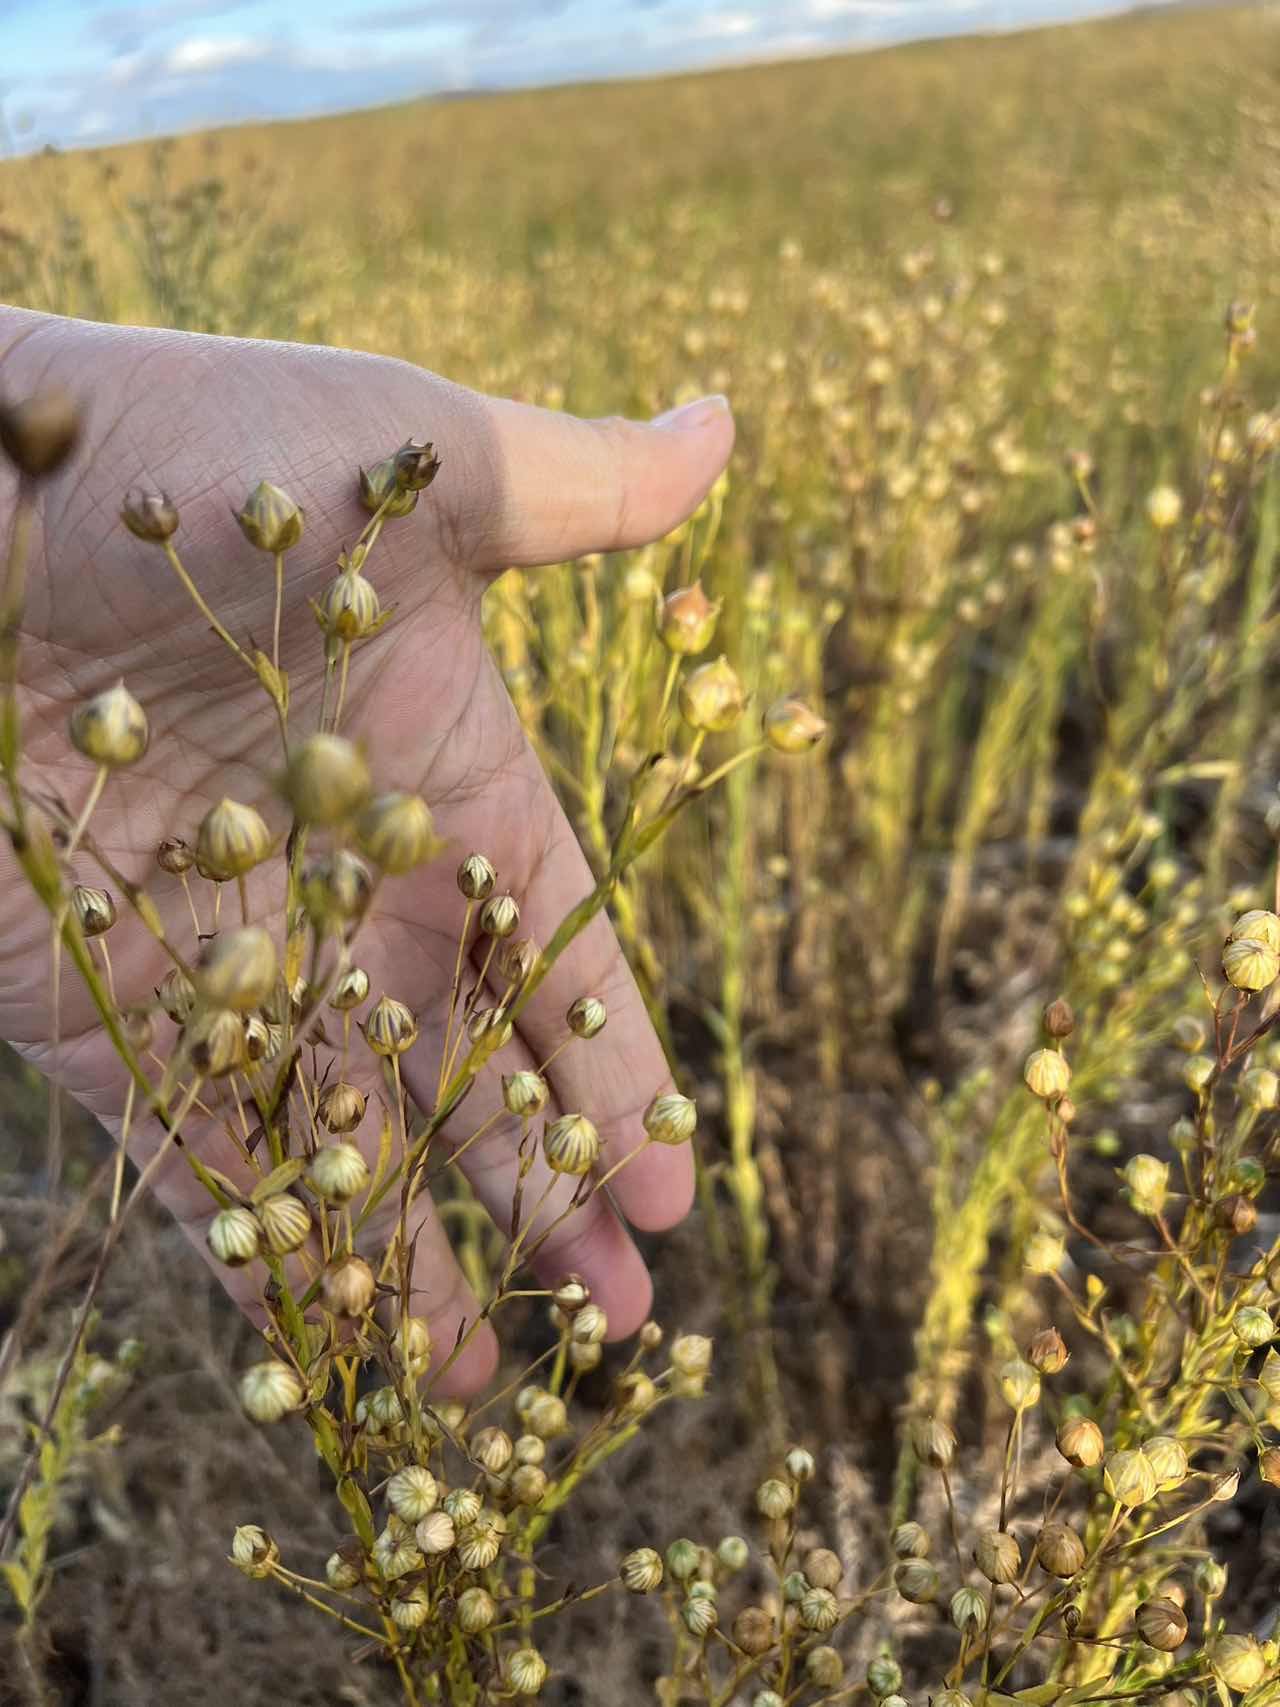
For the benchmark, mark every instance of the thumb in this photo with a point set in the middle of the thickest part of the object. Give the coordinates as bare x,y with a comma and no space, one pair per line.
562,486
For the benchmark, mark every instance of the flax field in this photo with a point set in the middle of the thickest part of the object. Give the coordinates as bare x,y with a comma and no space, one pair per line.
979,1088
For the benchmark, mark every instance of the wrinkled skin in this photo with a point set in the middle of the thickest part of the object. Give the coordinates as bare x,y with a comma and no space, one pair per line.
204,419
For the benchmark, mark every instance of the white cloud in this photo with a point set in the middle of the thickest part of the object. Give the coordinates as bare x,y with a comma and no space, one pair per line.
199,56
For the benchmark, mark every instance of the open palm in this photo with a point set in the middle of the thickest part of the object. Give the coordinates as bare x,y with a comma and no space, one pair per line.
204,419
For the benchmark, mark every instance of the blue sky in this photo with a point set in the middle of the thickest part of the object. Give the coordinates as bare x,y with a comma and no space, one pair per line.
85,72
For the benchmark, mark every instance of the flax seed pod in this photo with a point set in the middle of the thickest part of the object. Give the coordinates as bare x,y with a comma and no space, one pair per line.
111,728
571,1144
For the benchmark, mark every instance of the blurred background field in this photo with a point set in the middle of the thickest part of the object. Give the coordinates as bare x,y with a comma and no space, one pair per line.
968,301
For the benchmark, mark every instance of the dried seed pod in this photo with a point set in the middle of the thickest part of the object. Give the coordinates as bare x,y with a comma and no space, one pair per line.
933,1442
1129,1478
1252,1326
823,1569
379,490
326,780
1259,1088
395,831
691,1354
396,1555
94,909
712,698
390,1028
671,1119
342,1108
732,1552
686,620
518,959
40,433
476,877
1047,1353
349,1287
641,1571
1019,1384
547,1417
261,1041
571,1144
233,1236
800,1463
998,1556
1168,1458
270,519
413,1493
910,1540
416,466
884,1677
411,1344
528,1484
411,1607
1259,925
232,839
177,995
699,1615
216,1042
253,1551
823,1666
1269,1465
571,1294
754,1631
584,1358
463,1506
525,1093
350,990
968,1610
111,728
791,727
492,1449
1250,965
349,608
586,1017
530,1450
152,516
590,1325
480,1543
344,1568
499,916
1162,1624
916,1581
475,1611
435,1534
634,1393
338,1172
269,1391
526,1671
238,969
174,856
1239,1661
1058,1019
819,1610
286,1223
1046,1074
774,1499
1059,1550
1147,1179
336,890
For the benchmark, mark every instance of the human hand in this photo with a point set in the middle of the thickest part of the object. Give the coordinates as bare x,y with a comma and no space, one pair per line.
204,419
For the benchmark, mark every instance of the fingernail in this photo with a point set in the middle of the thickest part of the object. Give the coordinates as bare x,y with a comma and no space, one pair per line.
690,416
